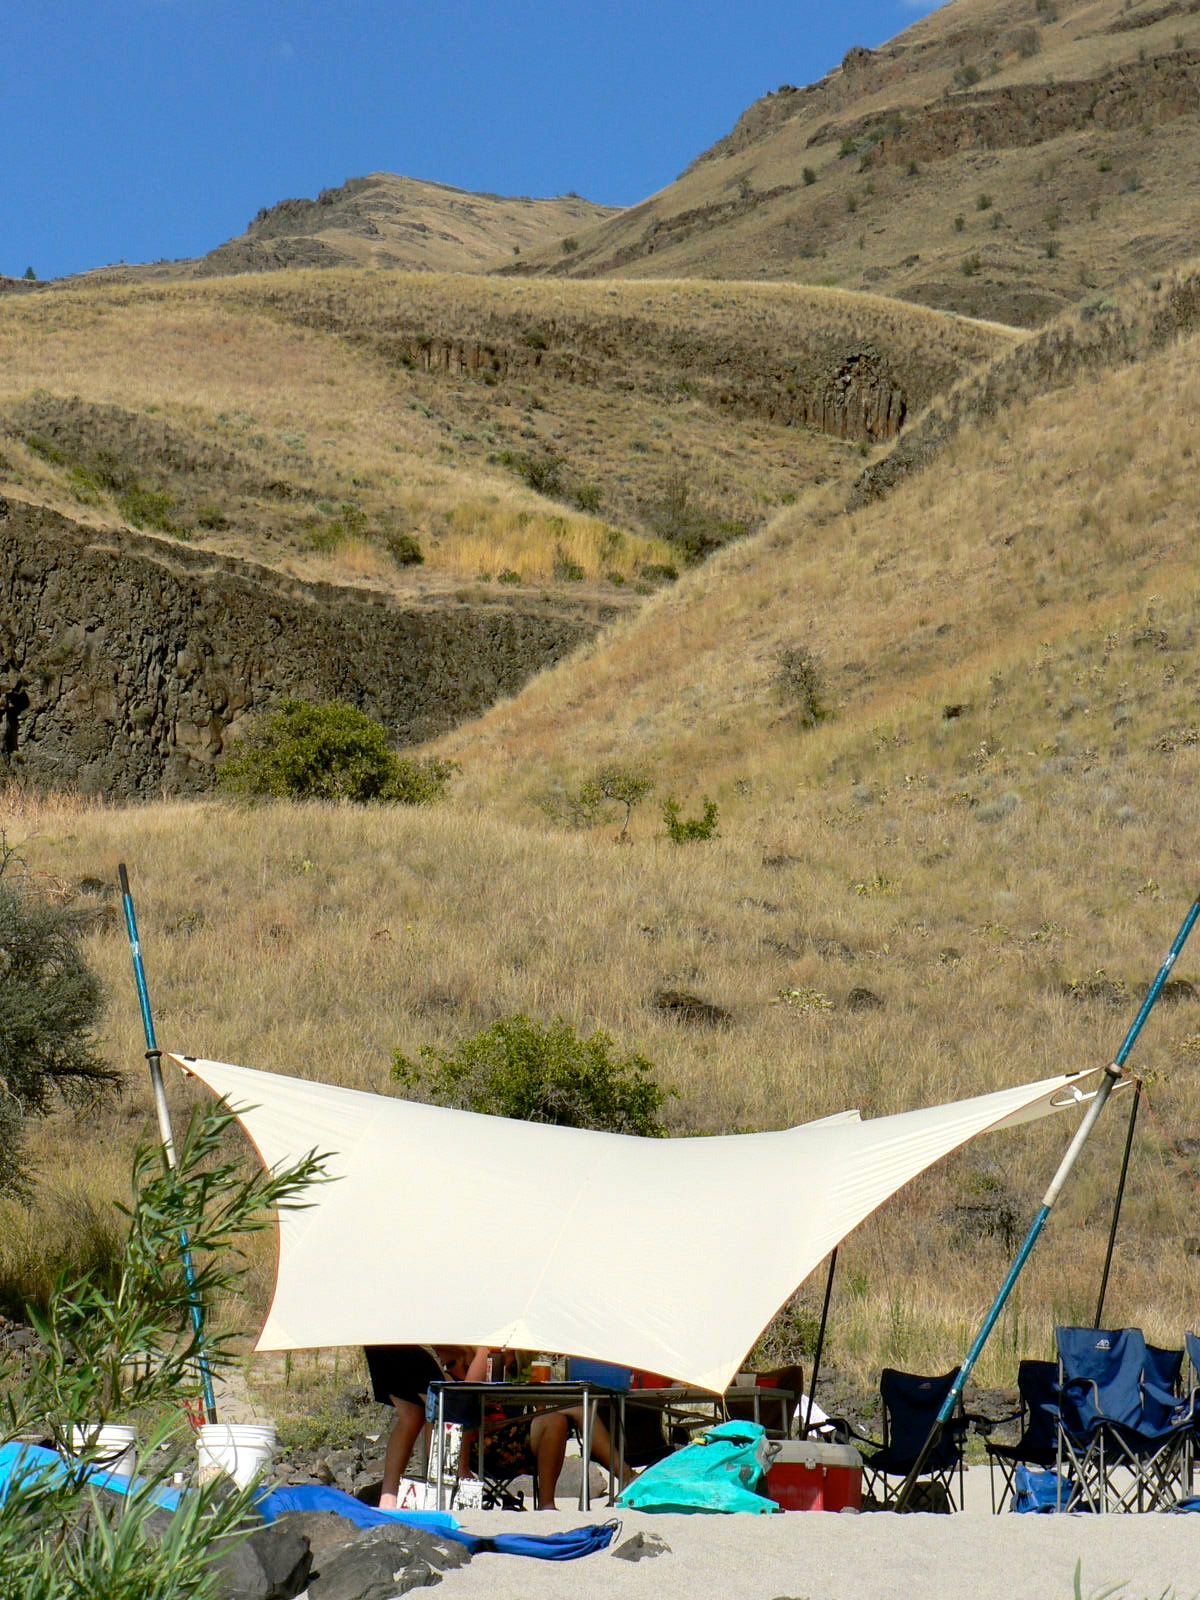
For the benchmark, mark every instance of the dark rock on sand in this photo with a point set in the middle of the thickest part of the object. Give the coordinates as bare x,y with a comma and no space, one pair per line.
382,1562
272,1564
642,1546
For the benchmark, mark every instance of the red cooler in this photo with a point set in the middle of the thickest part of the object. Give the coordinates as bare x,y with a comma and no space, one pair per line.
810,1476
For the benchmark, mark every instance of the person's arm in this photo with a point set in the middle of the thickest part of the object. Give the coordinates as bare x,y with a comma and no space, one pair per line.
477,1369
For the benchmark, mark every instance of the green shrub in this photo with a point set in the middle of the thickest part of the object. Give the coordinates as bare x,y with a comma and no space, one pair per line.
686,830
569,245
566,570
970,265
983,202
327,752
50,1003
809,177
210,514
587,496
148,508
518,1068
403,549
44,448
541,471
694,528
800,683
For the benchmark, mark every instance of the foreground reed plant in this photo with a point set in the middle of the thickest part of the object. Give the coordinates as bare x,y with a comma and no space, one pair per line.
134,1348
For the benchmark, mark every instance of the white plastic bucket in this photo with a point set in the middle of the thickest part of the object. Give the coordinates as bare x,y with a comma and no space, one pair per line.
242,1451
112,1446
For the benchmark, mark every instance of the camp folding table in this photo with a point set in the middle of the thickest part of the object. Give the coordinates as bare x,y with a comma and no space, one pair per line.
680,1403
546,1397
676,1402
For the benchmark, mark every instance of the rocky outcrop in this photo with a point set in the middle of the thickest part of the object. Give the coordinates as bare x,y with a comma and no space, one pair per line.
1134,95
861,400
126,662
852,387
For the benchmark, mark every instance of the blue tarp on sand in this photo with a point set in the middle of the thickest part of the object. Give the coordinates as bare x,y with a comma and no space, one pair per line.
27,1460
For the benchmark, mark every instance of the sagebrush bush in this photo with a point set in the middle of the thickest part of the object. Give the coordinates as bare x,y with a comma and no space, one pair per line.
50,1003
327,752
800,684
534,1073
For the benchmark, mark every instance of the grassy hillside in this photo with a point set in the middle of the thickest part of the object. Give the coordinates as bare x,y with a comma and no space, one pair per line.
327,423
389,222
959,877
996,159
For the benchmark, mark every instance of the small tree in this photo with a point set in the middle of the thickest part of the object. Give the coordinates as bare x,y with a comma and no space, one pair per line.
327,752
30,275
612,784
50,1002
518,1068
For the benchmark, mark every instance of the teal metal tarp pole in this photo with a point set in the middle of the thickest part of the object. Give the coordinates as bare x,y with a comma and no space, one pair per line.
1112,1075
154,1061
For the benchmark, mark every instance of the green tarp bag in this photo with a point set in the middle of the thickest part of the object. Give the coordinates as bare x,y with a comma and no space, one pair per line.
720,1471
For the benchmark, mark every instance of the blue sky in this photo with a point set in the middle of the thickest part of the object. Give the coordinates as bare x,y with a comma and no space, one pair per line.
138,129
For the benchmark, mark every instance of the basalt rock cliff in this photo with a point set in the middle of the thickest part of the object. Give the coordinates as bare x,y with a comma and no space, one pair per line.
127,662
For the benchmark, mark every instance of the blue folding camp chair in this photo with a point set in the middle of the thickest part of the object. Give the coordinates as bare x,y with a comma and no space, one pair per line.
1037,1446
910,1407
1123,1436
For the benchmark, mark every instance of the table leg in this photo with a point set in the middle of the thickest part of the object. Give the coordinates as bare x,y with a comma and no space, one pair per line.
439,1454
616,1460
585,1482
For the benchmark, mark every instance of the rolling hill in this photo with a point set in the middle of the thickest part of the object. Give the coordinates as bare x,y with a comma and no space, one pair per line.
999,159
952,738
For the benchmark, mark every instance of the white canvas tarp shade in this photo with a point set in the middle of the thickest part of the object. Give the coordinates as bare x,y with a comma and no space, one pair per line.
667,1254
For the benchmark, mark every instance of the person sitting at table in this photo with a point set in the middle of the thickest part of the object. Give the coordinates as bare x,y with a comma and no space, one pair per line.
509,1450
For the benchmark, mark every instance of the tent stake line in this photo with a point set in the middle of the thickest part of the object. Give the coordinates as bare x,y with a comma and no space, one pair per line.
163,1111
1112,1075
816,1367
1120,1195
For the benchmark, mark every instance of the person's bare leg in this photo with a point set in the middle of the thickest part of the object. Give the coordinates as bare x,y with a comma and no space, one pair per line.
602,1450
410,1419
548,1437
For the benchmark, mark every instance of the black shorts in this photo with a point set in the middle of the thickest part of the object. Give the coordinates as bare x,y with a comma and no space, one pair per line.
401,1371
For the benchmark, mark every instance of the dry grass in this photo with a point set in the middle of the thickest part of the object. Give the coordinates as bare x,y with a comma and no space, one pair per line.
289,418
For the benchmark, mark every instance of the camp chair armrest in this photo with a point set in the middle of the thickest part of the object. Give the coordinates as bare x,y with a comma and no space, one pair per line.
973,1422
845,1431
986,1424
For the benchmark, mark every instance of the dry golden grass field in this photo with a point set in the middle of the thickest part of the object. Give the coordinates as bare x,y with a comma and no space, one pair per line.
990,827
530,432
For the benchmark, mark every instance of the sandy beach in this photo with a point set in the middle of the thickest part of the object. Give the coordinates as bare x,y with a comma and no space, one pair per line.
880,1556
